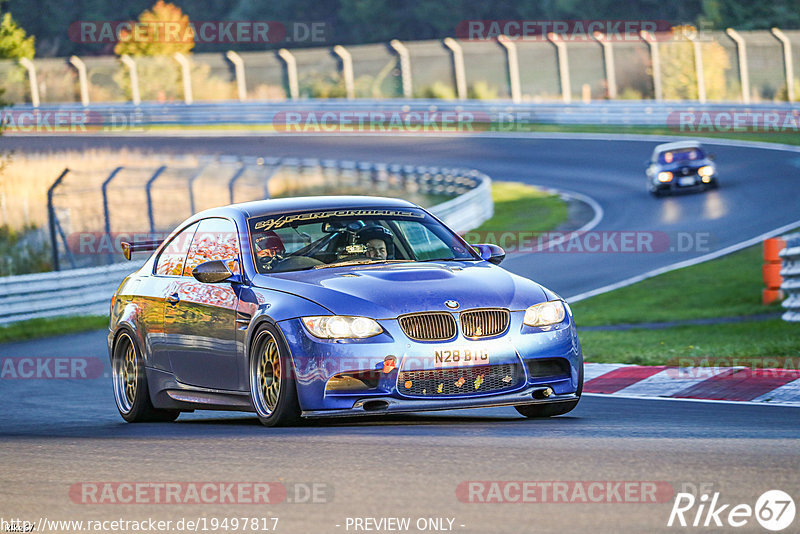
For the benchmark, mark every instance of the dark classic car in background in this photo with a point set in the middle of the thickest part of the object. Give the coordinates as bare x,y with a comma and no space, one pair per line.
334,306
679,166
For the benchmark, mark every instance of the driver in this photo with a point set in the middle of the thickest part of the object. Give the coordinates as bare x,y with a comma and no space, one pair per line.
378,240
268,245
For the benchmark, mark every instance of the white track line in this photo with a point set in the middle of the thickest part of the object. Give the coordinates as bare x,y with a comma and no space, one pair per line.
686,263
565,236
674,399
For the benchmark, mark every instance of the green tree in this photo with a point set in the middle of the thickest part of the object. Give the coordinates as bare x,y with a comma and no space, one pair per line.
14,42
148,37
154,45
679,74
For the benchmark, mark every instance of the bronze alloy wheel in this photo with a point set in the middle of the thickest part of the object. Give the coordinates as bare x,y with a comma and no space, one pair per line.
273,394
126,373
268,375
131,392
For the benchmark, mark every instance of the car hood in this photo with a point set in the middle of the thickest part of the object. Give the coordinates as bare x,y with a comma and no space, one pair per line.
386,291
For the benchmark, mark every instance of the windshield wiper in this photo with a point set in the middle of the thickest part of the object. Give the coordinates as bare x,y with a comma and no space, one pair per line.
356,262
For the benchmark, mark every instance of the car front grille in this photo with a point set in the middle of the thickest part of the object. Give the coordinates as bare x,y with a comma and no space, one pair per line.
432,326
484,323
460,380
686,171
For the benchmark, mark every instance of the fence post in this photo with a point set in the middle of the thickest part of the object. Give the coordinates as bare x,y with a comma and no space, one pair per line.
238,69
608,63
191,181
186,74
80,66
457,56
133,74
51,218
106,212
347,70
405,66
148,190
275,164
232,182
31,68
788,66
741,52
655,63
698,69
291,72
512,61
563,66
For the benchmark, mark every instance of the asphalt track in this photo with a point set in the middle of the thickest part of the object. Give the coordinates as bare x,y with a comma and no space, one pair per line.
56,433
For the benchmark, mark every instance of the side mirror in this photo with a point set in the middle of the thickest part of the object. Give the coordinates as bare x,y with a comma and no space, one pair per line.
211,272
490,253
712,157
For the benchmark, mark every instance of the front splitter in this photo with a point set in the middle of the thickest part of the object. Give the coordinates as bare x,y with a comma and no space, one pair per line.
395,405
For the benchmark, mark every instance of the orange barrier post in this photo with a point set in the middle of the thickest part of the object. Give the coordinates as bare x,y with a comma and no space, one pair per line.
771,270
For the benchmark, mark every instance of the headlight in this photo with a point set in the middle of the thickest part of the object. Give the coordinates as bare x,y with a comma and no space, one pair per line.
664,176
545,313
706,170
339,326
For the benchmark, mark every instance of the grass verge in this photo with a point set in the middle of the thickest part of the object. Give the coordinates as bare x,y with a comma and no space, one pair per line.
514,206
783,138
748,341
34,328
725,287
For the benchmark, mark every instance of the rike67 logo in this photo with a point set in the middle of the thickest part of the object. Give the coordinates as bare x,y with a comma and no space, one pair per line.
774,510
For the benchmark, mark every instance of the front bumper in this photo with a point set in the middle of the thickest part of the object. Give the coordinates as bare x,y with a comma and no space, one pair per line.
685,183
394,405
317,361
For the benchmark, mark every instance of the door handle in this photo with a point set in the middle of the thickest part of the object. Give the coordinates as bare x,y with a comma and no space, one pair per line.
173,299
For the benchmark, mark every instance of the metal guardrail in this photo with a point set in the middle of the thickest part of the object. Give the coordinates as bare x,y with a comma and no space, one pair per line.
470,209
791,277
87,291
497,115
74,292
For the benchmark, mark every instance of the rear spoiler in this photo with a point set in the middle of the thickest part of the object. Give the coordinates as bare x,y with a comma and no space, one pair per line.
138,246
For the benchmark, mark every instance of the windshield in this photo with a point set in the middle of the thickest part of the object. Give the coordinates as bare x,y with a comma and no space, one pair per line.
320,239
681,155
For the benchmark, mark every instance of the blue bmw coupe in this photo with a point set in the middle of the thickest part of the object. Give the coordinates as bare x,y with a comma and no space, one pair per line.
334,306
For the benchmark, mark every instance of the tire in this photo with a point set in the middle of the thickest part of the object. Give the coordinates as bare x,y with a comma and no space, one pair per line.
534,411
273,391
131,392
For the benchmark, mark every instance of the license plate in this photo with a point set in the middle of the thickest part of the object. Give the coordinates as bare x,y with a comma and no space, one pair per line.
460,357
689,180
